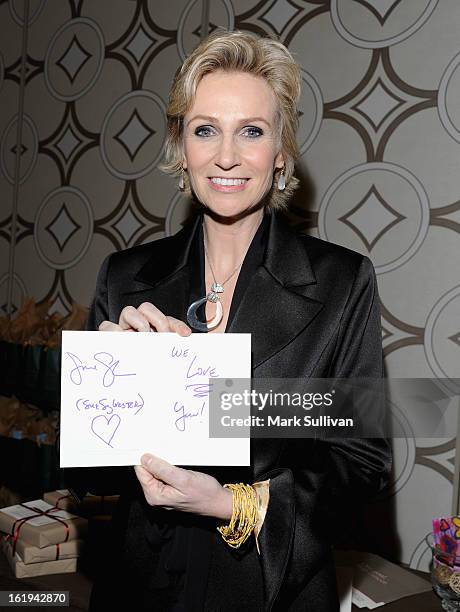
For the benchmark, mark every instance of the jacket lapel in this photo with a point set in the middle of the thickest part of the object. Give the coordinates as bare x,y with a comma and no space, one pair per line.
277,305
164,280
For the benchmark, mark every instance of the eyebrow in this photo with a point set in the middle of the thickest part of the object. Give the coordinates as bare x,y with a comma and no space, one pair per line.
213,119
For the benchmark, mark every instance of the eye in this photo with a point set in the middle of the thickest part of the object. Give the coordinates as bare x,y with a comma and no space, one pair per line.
203,131
253,132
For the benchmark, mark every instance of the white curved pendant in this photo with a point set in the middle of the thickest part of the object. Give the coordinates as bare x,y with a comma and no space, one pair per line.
217,317
193,320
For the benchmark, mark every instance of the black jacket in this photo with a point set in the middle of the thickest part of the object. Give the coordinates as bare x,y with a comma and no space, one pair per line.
313,311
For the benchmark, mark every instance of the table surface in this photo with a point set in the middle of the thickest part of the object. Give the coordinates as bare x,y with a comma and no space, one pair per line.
79,586
423,602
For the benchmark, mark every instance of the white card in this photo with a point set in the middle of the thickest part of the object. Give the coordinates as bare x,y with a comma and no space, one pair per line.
125,394
361,600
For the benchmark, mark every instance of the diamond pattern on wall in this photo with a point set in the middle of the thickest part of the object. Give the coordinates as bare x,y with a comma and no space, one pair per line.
4,309
128,225
371,218
32,67
69,140
134,134
14,150
279,14
68,143
73,59
139,44
378,104
62,227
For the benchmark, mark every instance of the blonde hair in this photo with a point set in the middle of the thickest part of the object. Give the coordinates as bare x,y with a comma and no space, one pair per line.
244,52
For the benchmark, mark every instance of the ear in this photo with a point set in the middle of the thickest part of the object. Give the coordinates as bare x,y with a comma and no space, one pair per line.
279,160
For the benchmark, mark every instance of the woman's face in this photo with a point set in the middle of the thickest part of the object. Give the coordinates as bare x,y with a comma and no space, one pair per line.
231,142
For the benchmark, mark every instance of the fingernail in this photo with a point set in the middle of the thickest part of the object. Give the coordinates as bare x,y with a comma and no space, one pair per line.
146,459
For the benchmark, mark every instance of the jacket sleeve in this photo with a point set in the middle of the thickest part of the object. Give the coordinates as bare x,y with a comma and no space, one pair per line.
97,480
309,497
360,467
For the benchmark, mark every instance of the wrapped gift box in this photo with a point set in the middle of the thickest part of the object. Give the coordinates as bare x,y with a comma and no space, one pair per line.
33,554
91,504
27,570
40,524
61,499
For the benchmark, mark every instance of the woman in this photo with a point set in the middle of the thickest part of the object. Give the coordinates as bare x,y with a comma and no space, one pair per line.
312,310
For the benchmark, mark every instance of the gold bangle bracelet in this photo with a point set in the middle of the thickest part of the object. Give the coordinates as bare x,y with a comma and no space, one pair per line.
244,515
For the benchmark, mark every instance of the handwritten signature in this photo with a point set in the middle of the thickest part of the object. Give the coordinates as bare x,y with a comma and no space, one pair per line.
109,405
106,360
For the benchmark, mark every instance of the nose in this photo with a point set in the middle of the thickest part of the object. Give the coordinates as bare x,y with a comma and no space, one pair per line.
227,156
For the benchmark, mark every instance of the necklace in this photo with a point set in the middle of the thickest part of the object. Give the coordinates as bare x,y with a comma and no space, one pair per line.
212,296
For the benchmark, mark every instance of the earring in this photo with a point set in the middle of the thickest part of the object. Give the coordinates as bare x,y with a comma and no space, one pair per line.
181,181
281,180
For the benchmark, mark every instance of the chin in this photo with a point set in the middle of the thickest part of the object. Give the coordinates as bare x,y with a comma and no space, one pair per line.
224,207
230,214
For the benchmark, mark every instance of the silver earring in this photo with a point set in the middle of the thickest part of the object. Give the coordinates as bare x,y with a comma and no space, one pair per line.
181,181
281,180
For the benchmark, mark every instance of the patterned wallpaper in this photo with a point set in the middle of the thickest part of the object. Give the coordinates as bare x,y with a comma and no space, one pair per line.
83,88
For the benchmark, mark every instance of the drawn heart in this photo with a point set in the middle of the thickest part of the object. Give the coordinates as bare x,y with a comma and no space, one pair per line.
105,428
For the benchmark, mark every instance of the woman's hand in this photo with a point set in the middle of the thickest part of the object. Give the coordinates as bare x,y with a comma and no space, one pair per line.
146,317
175,488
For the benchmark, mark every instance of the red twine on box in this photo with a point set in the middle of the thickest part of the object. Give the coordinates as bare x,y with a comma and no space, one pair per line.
20,522
56,505
8,537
